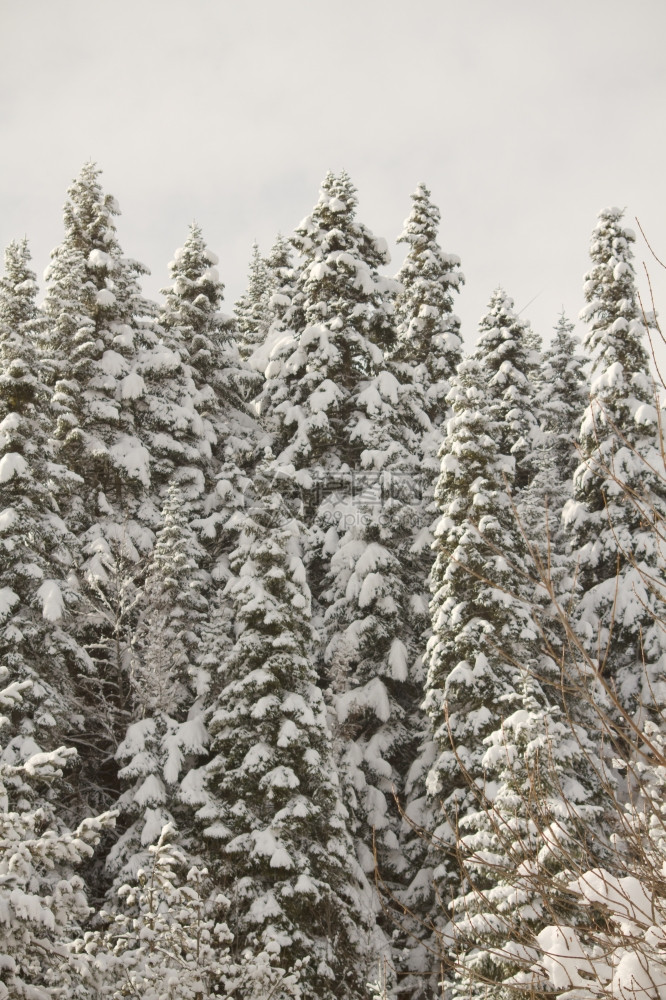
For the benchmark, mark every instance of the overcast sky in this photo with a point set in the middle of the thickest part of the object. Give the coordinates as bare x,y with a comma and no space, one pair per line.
524,118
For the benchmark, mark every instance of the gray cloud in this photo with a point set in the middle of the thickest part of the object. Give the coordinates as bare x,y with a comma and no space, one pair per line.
524,119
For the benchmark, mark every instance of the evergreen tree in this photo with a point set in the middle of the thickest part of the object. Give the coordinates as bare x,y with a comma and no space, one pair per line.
169,940
560,401
372,624
168,693
252,309
42,900
619,493
95,308
97,328
344,424
37,595
505,348
167,639
428,331
482,626
562,397
427,354
202,336
273,810
282,313
202,332
179,408
545,816
281,283
313,399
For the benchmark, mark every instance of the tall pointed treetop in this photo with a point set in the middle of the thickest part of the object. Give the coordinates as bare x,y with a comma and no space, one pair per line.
510,363
428,329
316,377
619,492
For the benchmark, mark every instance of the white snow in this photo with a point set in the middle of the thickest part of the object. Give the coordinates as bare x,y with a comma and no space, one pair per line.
8,518
129,454
53,605
99,259
105,298
8,600
371,589
12,464
150,792
281,859
132,386
372,697
397,660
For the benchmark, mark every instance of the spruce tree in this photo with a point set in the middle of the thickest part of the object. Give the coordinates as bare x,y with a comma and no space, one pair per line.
196,325
169,688
167,938
427,354
282,313
97,330
38,598
43,901
252,308
343,324
428,331
273,810
95,309
562,397
347,429
619,492
227,435
543,819
506,349
178,409
281,283
482,625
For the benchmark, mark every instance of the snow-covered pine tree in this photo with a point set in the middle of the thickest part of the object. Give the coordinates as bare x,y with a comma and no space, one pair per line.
282,278
177,410
97,327
273,809
428,331
560,402
95,308
42,900
169,688
37,547
482,626
542,820
427,352
18,294
203,336
167,938
282,313
562,397
343,324
619,486
345,423
252,309
505,348
372,624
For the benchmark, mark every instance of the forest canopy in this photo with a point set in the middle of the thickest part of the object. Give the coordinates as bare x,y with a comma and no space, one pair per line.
331,653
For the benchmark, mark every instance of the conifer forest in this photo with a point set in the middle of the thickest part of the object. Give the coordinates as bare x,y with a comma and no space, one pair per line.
333,654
